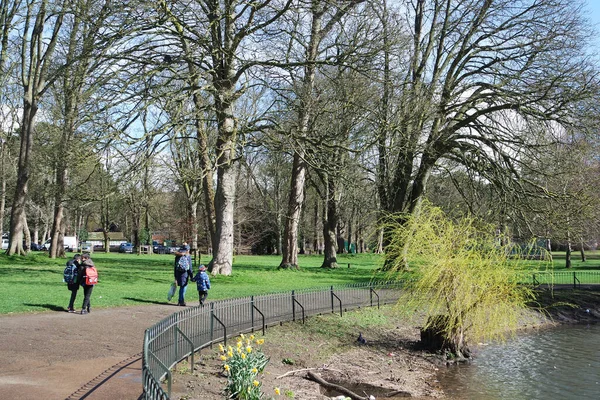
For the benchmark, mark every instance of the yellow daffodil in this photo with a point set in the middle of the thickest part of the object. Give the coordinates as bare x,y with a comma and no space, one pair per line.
221,348
239,350
254,370
277,391
260,341
230,354
223,358
226,367
243,356
247,342
239,344
242,336
251,337
229,348
256,383
249,349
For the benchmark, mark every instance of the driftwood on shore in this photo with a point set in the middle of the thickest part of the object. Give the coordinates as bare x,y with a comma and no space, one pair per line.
332,386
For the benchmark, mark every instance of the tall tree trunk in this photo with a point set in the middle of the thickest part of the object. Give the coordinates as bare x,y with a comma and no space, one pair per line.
299,166
2,184
207,173
222,261
290,236
582,251
316,244
57,233
17,218
330,224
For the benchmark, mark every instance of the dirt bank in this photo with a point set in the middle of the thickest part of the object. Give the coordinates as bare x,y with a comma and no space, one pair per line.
390,362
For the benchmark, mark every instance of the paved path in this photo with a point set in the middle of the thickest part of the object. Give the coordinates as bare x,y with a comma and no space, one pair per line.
58,355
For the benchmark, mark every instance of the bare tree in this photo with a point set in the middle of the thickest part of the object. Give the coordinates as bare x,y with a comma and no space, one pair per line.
36,54
487,85
83,55
320,27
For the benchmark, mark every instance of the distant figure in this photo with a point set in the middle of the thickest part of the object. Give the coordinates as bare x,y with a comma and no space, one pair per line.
183,271
87,277
361,339
203,283
70,275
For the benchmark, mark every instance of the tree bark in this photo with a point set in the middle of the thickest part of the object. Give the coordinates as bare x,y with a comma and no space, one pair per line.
222,262
330,224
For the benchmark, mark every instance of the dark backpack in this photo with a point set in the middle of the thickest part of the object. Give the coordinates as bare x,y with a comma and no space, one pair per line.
183,264
70,273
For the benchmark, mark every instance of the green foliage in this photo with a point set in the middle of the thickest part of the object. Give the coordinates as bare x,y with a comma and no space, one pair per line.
144,236
82,235
463,273
243,364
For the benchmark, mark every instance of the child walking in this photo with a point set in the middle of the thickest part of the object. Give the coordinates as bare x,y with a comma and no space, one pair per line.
203,283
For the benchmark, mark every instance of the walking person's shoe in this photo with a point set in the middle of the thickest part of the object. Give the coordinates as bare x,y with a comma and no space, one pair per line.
83,312
70,310
88,309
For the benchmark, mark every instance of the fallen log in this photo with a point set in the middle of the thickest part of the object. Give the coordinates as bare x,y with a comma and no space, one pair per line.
332,386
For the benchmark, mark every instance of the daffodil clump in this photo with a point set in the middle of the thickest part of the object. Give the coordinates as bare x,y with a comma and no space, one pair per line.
242,364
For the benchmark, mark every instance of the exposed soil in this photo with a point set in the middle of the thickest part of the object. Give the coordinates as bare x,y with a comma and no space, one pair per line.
57,355
390,363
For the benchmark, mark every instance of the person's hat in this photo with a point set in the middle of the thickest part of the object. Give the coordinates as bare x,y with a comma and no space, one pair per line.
77,255
201,268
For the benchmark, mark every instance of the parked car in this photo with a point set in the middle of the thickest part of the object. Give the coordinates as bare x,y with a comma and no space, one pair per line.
87,247
126,248
4,243
160,249
35,247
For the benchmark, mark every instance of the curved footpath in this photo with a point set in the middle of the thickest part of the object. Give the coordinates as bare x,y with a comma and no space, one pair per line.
58,355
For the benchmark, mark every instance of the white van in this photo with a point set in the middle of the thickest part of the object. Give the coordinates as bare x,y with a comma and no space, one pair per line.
70,243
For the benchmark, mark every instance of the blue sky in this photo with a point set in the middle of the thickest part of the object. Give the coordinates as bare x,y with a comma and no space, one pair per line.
593,13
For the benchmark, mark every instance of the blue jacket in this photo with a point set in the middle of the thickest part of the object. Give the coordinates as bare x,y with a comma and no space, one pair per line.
202,281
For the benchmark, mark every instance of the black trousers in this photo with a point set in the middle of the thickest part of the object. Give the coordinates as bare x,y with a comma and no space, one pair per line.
202,295
73,288
87,292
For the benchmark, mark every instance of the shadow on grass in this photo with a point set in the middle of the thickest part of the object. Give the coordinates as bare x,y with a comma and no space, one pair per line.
52,307
165,303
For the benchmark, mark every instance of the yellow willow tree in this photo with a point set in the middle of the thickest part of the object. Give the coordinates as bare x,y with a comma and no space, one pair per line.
465,278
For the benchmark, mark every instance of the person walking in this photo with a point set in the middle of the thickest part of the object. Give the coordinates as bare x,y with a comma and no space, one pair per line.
84,272
183,271
202,283
70,276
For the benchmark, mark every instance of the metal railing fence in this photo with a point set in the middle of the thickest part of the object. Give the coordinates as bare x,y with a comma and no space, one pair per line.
185,332
552,278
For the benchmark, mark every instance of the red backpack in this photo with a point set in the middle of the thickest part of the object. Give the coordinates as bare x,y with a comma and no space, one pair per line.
91,276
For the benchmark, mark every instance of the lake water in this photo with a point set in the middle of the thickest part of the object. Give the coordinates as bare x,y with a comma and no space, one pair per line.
561,363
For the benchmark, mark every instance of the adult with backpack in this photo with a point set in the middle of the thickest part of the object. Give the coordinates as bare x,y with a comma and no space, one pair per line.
70,275
183,271
88,278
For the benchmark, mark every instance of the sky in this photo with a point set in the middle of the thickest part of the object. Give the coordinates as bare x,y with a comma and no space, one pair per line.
593,13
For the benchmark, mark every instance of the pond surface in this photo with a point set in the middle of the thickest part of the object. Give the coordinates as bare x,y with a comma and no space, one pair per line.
561,363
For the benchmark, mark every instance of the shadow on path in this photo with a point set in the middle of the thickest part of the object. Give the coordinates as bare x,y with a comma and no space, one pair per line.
89,388
52,307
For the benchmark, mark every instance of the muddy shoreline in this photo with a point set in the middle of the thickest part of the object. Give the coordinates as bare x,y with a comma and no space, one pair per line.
390,361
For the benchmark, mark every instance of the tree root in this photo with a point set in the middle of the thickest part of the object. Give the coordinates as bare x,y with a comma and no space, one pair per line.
332,386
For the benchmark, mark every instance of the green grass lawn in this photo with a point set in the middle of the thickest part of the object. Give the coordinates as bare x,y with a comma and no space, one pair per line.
34,283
